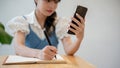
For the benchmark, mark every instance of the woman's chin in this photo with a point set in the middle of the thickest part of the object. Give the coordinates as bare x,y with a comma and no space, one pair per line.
49,14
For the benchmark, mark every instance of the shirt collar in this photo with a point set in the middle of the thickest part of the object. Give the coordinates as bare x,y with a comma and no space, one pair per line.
31,18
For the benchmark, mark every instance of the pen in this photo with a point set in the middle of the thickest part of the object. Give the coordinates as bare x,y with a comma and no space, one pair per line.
46,35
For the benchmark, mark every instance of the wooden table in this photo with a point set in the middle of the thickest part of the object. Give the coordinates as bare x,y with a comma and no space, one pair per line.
72,62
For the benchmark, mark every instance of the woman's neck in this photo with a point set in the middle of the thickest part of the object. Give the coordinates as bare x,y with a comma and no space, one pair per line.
40,18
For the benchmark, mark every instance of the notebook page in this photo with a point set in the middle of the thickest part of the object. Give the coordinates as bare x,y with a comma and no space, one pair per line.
21,59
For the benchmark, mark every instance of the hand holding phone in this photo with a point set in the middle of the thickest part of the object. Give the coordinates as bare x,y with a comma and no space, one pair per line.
82,12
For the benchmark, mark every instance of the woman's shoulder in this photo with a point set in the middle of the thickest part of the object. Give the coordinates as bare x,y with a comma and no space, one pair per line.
17,23
62,19
17,19
62,22
22,19
62,27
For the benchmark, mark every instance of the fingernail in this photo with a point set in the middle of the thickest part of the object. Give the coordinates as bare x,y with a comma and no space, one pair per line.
77,14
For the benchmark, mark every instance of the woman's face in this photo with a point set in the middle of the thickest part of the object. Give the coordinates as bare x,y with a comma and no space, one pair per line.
46,7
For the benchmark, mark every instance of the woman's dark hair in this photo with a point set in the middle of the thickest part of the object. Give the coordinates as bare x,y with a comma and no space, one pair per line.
49,23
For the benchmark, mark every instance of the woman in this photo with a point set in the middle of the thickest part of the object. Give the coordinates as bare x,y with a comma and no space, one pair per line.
29,39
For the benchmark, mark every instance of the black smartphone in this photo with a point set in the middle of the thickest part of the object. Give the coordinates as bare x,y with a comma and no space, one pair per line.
81,10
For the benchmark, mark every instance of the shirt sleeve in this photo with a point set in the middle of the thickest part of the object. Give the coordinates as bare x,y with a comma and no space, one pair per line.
17,24
62,25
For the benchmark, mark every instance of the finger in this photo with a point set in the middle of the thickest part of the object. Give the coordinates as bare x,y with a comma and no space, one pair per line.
44,56
54,49
73,30
77,31
47,57
51,54
74,26
81,18
81,26
77,22
48,51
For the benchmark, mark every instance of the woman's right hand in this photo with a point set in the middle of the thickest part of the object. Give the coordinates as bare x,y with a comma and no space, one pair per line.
48,53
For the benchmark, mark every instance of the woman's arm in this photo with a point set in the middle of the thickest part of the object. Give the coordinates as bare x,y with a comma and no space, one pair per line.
21,49
72,46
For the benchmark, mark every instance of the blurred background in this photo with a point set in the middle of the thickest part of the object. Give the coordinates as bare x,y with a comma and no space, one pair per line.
101,43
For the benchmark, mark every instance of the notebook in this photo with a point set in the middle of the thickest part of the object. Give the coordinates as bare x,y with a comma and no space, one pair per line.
15,59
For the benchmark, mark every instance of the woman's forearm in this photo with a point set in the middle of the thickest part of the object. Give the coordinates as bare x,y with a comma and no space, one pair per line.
21,49
25,51
74,47
71,46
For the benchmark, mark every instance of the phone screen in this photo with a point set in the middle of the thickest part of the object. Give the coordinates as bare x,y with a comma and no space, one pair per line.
82,12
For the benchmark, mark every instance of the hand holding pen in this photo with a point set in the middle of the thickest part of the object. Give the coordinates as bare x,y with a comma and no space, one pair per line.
47,54
52,49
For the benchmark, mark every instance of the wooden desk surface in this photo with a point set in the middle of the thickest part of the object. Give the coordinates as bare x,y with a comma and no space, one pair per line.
72,62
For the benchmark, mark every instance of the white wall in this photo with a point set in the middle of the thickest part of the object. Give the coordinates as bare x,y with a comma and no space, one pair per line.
101,42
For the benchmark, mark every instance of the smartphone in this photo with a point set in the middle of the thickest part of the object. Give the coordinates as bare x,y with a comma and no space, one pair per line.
81,10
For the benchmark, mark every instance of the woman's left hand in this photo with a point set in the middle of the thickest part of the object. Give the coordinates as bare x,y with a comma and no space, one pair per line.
79,30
